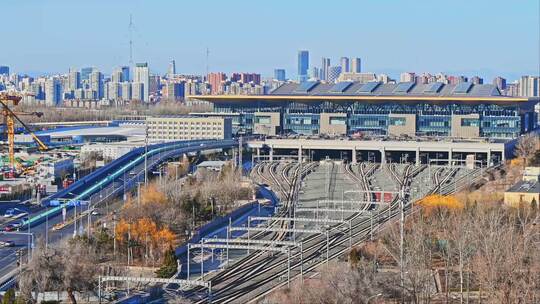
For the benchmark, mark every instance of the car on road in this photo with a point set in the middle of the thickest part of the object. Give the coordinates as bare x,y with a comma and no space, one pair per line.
10,227
9,212
18,224
7,243
15,213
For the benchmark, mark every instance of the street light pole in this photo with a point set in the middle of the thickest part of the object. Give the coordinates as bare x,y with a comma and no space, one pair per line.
146,155
401,242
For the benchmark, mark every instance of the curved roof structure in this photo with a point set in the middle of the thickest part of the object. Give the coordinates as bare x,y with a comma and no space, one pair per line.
376,92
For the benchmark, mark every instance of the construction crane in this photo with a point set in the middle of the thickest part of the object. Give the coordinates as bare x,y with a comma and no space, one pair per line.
10,117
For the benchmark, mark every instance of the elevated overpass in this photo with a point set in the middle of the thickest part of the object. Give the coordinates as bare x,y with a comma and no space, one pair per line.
411,151
117,177
129,163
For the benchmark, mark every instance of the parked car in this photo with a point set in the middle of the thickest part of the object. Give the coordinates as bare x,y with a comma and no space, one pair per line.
7,243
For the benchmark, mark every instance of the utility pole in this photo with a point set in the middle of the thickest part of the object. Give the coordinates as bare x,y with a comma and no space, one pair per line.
47,229
139,194
114,234
75,222
146,155
240,153
401,241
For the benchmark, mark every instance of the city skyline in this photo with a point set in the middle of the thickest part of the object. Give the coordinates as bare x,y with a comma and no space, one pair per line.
469,46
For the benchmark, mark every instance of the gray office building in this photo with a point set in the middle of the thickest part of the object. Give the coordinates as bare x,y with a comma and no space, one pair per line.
356,65
345,68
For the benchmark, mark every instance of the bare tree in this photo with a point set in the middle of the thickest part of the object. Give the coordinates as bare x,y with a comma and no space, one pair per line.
80,270
72,267
527,146
339,283
43,272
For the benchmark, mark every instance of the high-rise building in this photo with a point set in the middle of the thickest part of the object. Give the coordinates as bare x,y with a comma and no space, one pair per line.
477,80
314,73
96,83
529,86
500,83
114,90
85,73
383,78
279,74
53,92
303,65
126,90
512,89
137,91
325,65
456,79
250,77
142,76
407,77
174,91
358,77
117,75
333,73
172,69
235,77
215,80
155,84
125,73
356,65
345,65
4,70
74,80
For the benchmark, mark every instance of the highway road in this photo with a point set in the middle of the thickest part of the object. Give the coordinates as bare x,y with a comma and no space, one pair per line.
116,177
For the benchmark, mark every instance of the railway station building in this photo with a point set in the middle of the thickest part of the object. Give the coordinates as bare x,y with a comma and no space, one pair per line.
405,109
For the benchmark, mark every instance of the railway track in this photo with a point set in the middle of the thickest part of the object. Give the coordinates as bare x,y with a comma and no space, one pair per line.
314,245
269,269
338,242
288,184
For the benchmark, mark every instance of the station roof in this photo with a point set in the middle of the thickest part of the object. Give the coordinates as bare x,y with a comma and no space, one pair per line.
375,91
346,88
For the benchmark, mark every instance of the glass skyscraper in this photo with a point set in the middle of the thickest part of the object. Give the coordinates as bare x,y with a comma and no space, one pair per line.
303,65
279,74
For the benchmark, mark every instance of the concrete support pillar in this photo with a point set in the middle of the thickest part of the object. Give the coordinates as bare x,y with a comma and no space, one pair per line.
489,157
300,153
353,158
418,161
450,157
258,154
383,155
271,153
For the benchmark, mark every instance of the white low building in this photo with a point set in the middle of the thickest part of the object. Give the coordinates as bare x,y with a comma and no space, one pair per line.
110,150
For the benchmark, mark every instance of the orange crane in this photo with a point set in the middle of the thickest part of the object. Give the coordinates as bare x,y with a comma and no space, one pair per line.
9,121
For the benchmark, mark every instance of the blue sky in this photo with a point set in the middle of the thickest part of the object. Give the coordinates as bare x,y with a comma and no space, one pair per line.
486,37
